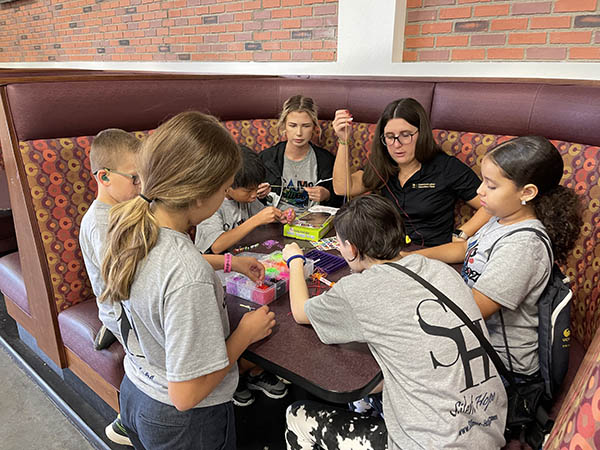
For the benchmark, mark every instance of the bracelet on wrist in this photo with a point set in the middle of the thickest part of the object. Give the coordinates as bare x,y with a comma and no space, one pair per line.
227,262
294,257
341,141
461,234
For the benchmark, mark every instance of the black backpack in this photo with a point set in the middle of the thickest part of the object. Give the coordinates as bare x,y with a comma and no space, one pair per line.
554,332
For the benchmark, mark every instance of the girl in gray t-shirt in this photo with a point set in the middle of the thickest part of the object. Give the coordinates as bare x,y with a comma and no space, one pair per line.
520,189
180,355
440,388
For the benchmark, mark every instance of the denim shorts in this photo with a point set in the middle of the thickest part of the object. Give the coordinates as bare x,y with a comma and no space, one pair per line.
153,425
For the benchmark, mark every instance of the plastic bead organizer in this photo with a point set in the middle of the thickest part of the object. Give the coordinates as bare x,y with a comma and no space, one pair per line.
275,284
326,261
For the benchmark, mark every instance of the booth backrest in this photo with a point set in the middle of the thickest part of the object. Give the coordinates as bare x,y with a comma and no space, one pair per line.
52,124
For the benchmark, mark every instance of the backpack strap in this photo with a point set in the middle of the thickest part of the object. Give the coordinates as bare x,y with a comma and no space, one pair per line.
546,240
461,315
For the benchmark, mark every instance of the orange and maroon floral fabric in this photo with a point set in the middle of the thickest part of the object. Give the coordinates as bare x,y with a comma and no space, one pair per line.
62,189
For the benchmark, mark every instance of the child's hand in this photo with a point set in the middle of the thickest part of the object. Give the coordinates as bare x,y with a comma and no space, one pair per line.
269,214
341,123
288,216
250,267
258,324
318,194
290,250
263,190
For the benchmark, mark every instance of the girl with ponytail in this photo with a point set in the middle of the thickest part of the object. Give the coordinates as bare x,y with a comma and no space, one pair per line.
508,271
180,362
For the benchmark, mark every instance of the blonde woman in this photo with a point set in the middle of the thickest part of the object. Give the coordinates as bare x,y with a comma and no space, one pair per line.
299,173
180,362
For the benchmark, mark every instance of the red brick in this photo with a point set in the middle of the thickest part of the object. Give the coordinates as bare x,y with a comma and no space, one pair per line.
252,4
434,55
312,22
488,39
550,22
408,56
281,56
414,4
584,53
546,53
232,27
570,37
452,41
506,53
491,10
324,10
294,23
281,13
455,13
262,36
242,17
312,45
291,2
575,5
412,30
290,45
271,3
302,12
420,16
418,42
273,45
280,34
302,56
531,8
439,2
323,56
509,24
310,2
526,38
436,27
468,54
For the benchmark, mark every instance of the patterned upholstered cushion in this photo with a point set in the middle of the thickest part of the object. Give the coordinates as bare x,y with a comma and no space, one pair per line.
577,425
62,189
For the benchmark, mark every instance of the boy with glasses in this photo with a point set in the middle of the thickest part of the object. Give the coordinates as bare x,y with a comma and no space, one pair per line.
113,165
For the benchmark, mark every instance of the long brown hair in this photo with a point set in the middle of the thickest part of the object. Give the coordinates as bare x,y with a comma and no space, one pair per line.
381,166
187,158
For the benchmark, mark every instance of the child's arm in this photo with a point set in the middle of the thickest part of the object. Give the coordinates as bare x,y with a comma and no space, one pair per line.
298,289
229,238
254,326
245,265
487,306
451,253
479,219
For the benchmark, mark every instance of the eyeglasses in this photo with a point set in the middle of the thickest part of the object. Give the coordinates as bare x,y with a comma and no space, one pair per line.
135,179
404,138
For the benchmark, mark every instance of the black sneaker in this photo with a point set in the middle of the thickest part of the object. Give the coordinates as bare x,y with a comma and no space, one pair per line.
104,338
268,383
115,431
242,396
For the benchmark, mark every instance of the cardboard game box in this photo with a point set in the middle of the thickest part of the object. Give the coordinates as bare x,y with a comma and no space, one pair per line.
310,226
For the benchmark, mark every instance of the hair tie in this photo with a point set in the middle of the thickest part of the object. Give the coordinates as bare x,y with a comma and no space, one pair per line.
145,198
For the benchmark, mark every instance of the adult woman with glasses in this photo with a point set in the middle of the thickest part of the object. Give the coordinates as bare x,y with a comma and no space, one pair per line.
408,167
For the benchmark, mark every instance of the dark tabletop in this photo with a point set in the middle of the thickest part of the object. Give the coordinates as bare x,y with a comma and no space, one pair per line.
336,373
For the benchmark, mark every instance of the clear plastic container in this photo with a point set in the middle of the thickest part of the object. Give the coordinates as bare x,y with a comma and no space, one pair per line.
276,283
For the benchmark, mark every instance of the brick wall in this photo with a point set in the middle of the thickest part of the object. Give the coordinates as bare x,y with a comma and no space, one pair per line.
517,30
168,30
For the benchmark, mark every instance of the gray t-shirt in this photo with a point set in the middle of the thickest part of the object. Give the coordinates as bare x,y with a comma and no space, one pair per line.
178,312
92,237
230,215
514,277
295,177
440,388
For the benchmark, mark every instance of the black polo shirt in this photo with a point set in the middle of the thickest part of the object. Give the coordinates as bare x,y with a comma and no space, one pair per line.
427,200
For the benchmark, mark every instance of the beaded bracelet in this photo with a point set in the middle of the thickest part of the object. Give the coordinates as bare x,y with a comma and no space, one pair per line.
294,257
340,141
227,262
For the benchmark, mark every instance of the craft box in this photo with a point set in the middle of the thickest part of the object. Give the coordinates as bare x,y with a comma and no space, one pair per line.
309,226
276,283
